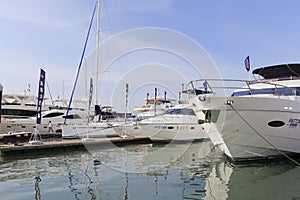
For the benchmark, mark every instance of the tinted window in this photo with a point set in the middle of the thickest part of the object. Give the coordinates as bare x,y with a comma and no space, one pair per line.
275,91
53,115
72,117
184,111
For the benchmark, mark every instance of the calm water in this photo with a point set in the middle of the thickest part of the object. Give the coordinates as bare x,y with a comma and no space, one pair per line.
145,171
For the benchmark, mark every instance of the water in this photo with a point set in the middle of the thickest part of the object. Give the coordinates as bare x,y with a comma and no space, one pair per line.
145,171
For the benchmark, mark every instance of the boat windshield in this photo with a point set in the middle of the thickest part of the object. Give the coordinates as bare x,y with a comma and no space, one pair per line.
292,91
181,111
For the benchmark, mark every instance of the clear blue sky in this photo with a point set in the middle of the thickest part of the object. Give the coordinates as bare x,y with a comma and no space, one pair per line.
51,34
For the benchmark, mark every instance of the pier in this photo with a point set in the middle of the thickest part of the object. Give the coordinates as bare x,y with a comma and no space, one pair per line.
68,144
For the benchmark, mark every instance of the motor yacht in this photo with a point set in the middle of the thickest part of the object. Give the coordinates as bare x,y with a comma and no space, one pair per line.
177,123
260,119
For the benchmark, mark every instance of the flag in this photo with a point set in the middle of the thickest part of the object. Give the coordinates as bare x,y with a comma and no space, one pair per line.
247,63
40,96
126,95
147,100
91,92
1,89
205,84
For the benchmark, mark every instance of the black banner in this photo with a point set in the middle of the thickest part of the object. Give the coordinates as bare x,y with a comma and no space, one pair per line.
1,89
40,96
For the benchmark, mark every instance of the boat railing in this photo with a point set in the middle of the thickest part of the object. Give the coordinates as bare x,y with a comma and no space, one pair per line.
226,87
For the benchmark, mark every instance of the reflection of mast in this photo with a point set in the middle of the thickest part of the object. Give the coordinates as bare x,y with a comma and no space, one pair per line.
126,186
97,49
37,188
71,186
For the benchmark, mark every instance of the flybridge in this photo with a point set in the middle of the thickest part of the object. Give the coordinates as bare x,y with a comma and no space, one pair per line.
279,71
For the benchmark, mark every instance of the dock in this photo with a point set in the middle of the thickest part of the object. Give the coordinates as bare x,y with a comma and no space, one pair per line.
68,144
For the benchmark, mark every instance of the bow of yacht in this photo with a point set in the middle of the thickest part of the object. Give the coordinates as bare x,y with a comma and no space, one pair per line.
258,120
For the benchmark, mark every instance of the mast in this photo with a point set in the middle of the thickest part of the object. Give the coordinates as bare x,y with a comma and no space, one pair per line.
79,67
97,49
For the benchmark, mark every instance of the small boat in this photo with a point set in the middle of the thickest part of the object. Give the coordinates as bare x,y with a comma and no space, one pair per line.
15,137
257,121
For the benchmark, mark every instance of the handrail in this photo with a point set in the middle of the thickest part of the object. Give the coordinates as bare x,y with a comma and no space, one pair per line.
247,83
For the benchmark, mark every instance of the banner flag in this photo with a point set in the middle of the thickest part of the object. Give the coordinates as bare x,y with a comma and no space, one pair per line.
126,97
247,63
40,97
1,89
91,93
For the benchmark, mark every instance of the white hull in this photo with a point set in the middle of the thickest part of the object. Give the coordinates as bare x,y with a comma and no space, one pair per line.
29,124
28,127
93,130
253,127
165,128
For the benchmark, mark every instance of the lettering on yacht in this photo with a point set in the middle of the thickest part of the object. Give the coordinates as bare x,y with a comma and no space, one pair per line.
293,123
173,127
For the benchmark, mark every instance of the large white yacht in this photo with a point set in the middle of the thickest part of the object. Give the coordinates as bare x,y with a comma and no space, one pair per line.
259,120
19,114
178,123
56,116
20,105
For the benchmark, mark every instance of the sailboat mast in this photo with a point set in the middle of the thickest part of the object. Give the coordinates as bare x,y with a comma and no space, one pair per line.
97,49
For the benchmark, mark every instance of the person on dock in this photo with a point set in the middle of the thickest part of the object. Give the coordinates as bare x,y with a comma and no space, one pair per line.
50,129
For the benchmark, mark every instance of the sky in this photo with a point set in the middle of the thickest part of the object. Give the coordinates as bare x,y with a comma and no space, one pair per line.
50,35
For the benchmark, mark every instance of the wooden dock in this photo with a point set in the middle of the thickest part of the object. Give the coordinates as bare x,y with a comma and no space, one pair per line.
12,149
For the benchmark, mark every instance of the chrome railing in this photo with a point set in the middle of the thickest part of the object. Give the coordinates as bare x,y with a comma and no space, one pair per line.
223,86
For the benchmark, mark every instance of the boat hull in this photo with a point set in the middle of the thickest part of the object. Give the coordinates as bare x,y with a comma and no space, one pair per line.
165,128
251,128
93,130
17,137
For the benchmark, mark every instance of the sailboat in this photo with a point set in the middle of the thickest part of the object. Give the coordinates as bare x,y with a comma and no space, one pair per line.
98,126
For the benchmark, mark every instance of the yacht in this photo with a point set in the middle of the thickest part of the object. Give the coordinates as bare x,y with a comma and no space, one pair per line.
258,120
153,106
178,123
55,115
19,106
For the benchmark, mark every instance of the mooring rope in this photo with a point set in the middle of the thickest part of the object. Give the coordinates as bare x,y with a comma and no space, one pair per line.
281,152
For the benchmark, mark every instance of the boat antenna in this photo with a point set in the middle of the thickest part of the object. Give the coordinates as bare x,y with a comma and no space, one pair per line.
79,66
48,88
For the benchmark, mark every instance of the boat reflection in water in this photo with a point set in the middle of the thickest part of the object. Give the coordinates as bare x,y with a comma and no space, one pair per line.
277,180
162,171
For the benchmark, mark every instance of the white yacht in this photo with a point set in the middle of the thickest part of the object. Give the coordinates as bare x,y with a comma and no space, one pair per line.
178,123
153,106
259,120
19,106
55,115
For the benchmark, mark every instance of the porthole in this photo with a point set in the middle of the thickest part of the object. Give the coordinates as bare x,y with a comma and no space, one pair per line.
276,123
